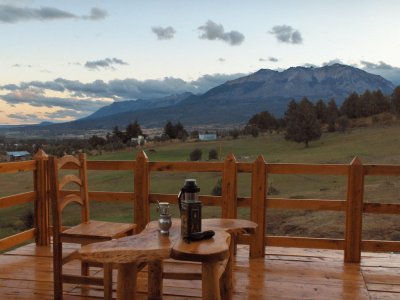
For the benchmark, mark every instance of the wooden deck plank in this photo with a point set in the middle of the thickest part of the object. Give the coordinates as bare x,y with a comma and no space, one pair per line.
284,273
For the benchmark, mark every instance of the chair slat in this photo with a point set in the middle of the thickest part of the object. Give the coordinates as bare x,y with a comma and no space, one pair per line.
70,198
67,159
70,178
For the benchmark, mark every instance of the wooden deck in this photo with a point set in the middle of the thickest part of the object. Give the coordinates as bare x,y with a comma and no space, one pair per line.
285,273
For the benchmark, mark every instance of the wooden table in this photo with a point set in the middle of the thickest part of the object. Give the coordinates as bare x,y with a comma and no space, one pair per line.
151,247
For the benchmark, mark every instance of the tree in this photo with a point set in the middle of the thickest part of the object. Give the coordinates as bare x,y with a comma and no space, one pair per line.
119,134
181,132
133,130
320,110
350,106
332,113
175,131
264,121
194,134
395,100
382,103
302,125
96,141
343,123
169,130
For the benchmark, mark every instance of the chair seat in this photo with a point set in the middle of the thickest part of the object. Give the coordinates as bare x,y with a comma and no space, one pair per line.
97,231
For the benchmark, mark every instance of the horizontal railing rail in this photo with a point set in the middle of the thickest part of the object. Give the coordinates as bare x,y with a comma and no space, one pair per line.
259,202
18,199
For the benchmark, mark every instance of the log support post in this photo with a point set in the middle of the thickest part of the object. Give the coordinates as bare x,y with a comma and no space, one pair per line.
142,190
229,188
41,204
258,206
355,194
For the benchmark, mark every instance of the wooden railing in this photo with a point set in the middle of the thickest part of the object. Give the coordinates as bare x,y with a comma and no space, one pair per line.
353,206
27,197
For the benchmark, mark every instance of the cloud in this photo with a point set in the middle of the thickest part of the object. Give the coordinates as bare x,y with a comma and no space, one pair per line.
28,118
36,97
221,59
332,62
387,71
379,66
96,14
107,63
164,33
15,14
81,98
286,34
271,59
21,66
213,31
117,89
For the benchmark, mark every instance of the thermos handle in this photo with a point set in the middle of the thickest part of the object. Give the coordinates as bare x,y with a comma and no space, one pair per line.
180,201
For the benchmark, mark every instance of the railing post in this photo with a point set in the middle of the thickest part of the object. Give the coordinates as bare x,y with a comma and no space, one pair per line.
141,190
41,204
229,188
355,194
258,196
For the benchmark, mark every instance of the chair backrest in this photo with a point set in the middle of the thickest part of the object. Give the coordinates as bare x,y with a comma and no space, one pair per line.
60,197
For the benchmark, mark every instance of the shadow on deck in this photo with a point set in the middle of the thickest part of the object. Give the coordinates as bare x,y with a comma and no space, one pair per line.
285,273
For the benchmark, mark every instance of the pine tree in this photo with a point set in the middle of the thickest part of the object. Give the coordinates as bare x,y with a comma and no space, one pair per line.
302,125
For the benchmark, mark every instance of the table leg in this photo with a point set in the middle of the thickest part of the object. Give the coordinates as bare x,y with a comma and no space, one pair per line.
126,282
226,277
108,269
155,280
210,281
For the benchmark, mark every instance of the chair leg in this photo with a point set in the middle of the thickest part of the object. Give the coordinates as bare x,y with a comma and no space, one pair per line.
84,268
57,271
108,269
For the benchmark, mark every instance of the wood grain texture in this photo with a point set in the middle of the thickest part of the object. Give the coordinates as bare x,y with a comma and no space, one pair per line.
41,204
285,273
257,208
308,204
186,166
17,199
355,194
142,189
229,188
314,169
15,167
16,239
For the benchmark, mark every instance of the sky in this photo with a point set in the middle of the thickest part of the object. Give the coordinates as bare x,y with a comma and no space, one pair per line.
63,60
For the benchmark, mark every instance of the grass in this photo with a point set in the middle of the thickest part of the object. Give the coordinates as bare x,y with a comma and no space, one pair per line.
373,145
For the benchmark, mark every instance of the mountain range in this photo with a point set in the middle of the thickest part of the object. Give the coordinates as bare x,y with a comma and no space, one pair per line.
235,101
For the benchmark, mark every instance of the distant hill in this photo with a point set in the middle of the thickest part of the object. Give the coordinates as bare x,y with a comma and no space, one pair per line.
140,104
235,101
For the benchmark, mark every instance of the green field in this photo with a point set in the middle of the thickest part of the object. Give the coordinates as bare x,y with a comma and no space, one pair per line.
374,145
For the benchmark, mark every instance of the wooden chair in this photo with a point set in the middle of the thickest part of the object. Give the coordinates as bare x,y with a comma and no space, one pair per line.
88,231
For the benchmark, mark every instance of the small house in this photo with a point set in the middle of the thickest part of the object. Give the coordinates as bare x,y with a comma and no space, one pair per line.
18,155
207,136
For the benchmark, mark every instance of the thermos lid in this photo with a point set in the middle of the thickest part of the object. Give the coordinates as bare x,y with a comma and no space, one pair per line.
190,186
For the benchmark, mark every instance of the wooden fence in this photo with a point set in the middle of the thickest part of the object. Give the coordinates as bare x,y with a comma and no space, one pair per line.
258,202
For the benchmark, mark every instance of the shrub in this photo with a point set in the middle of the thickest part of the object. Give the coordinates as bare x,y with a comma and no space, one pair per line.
195,155
213,154
27,219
